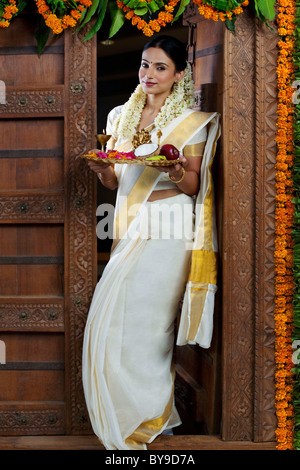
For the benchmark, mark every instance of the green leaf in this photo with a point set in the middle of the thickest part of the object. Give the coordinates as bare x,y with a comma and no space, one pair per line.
221,5
89,13
160,3
266,8
117,19
230,24
21,5
141,11
181,9
133,4
41,35
98,22
153,7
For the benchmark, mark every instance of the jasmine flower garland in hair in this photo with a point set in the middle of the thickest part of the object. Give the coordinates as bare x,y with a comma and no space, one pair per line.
180,99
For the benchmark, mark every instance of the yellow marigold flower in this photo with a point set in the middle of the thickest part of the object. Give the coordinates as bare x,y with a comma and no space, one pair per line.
86,3
69,21
53,23
165,17
76,14
141,24
129,15
147,31
135,20
4,24
7,15
154,25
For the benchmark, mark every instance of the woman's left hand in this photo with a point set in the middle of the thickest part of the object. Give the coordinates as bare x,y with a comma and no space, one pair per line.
185,174
174,170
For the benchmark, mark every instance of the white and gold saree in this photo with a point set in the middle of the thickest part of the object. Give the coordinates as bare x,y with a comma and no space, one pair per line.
128,376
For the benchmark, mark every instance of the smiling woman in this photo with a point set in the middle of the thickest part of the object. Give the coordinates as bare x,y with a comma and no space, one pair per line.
157,75
135,303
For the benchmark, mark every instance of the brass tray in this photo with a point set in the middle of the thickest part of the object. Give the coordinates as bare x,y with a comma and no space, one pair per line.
134,161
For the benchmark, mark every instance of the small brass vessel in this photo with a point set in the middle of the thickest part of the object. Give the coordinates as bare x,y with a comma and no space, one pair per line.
103,138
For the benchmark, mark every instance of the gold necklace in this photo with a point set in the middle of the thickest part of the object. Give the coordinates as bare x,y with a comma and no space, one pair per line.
142,137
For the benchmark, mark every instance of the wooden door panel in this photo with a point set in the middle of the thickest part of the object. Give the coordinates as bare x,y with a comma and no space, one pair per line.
28,240
35,280
47,212
19,59
29,101
25,173
25,418
32,385
41,280
31,153
37,69
23,206
28,347
30,135
41,314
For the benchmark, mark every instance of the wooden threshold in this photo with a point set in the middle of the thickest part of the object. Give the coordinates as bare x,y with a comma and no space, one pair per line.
164,443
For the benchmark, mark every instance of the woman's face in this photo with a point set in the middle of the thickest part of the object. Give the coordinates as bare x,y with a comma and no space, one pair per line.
157,72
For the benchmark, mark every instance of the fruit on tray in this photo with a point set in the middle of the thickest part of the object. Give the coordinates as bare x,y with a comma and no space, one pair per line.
169,151
157,158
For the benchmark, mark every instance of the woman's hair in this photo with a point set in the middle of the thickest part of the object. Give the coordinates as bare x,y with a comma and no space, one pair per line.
174,49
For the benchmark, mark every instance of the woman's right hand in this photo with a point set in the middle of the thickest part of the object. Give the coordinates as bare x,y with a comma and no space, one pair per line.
105,172
97,167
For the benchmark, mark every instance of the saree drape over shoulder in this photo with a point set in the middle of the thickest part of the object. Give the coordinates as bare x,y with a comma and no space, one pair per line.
162,251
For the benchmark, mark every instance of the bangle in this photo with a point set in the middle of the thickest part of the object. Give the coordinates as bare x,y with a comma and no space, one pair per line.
179,181
105,181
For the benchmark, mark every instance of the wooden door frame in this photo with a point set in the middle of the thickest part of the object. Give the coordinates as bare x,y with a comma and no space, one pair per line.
248,154
248,161
81,201
247,100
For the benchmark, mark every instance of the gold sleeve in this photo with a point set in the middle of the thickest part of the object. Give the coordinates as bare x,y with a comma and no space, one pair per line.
194,150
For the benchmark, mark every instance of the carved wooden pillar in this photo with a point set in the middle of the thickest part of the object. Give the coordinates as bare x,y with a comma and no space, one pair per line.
249,151
245,85
80,242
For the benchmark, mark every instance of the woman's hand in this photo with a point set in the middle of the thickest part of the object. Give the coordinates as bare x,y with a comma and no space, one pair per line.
105,172
98,167
175,171
95,166
186,172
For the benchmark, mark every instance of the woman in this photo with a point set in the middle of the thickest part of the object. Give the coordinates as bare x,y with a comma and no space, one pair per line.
128,374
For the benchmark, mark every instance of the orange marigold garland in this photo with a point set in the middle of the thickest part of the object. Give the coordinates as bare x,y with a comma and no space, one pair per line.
153,25
296,235
284,216
210,12
69,18
9,10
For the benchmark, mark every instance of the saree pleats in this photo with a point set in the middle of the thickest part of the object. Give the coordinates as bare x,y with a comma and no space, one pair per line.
129,336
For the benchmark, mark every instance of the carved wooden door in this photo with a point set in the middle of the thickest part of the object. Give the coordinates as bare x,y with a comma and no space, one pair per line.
47,229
